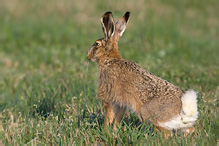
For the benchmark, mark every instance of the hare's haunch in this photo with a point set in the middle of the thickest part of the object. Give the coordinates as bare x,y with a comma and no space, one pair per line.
125,85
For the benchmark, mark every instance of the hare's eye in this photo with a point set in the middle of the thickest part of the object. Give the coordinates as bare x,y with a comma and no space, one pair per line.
97,44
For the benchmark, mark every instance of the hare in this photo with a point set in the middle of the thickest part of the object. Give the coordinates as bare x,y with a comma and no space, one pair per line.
125,85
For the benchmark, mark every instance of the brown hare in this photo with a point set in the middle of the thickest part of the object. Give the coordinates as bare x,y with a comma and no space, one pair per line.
125,85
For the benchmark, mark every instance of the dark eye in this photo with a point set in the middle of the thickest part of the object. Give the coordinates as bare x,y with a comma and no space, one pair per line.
96,44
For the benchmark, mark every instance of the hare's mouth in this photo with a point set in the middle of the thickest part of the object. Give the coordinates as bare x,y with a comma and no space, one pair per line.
93,59
90,56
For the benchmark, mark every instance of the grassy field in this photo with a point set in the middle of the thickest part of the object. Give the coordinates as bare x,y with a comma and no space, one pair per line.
48,87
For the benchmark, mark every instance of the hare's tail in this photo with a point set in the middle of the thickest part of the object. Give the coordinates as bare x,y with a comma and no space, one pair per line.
189,111
188,114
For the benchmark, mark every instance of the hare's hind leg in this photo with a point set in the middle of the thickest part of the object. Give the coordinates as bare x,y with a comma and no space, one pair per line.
166,133
189,130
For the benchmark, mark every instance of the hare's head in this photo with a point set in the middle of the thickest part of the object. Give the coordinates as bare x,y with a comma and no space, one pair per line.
107,47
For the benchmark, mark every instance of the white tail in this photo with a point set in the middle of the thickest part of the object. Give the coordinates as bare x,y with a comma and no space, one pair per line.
189,106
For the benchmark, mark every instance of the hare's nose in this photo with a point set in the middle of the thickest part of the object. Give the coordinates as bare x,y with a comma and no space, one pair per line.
89,55
91,49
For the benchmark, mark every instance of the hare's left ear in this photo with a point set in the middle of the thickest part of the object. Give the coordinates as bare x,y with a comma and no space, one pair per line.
121,25
108,25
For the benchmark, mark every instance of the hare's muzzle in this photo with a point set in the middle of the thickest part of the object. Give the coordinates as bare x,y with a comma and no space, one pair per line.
90,54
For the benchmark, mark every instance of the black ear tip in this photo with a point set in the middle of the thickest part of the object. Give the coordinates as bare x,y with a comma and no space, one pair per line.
127,15
108,12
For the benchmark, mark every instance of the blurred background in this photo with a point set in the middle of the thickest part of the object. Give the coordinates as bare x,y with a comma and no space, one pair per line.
44,44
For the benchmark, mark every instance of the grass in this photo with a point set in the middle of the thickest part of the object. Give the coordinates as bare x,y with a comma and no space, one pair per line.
48,88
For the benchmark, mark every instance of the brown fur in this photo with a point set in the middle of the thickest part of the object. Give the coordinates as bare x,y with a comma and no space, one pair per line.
124,84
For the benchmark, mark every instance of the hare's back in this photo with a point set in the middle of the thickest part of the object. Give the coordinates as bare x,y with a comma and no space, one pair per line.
131,78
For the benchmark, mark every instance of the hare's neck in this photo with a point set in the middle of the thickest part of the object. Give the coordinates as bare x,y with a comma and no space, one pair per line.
115,53
103,65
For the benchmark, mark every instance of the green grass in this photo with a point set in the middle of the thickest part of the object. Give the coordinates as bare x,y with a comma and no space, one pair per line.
48,88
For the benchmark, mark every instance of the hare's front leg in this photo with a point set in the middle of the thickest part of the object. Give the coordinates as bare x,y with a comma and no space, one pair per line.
114,114
119,115
109,115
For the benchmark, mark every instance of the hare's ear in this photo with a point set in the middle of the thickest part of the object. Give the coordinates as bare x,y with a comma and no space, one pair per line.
121,25
108,25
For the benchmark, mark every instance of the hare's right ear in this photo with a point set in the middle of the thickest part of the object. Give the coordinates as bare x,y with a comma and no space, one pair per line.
121,25
108,25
